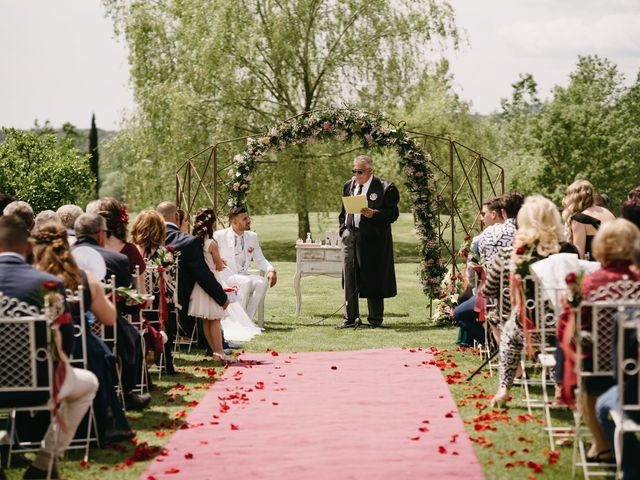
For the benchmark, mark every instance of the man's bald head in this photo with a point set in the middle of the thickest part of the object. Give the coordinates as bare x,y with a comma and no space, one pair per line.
168,211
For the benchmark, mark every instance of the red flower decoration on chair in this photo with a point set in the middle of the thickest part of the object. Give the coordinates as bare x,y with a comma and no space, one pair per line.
50,285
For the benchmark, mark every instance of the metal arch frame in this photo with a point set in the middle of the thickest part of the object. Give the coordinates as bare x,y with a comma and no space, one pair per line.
456,181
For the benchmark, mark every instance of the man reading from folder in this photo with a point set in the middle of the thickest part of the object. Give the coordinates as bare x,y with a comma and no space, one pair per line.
367,249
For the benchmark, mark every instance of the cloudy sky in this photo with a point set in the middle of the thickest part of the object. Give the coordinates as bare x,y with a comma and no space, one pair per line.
60,61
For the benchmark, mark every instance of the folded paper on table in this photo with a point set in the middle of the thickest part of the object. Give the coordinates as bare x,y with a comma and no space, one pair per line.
354,204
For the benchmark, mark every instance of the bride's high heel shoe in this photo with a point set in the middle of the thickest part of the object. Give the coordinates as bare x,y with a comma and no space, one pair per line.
500,399
224,358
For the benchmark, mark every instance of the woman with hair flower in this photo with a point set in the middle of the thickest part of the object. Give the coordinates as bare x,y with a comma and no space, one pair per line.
117,219
236,324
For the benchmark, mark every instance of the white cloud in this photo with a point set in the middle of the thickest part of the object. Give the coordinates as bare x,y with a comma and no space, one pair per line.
616,34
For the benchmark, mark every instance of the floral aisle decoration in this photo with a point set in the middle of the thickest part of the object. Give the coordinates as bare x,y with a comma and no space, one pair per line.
447,301
373,131
54,308
166,258
454,284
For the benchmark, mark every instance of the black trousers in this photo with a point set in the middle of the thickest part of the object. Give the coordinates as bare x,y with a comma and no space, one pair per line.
350,269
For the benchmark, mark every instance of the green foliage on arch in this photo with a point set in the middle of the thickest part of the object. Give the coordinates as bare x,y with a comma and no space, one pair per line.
373,131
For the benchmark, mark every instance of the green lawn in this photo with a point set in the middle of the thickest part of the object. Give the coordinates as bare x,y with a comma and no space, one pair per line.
509,437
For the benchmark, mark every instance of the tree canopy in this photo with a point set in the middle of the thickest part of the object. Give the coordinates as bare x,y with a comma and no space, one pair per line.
211,69
587,130
43,169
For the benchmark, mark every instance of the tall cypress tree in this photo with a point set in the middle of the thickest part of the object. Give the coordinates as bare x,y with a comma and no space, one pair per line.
95,155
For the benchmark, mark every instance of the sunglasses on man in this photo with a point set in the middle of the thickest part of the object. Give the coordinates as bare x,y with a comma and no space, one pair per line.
359,171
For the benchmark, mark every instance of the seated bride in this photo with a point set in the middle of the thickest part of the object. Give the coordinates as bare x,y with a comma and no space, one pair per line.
235,322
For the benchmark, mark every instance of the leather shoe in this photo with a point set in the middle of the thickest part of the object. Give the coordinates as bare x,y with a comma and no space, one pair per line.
375,323
346,323
33,473
234,346
136,401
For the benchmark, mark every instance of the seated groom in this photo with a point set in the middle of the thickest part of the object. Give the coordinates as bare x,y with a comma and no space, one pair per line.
20,280
238,246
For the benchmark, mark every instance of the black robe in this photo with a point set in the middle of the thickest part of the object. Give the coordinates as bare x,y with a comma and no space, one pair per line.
376,273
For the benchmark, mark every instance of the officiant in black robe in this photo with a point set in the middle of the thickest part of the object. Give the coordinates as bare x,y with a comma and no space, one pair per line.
367,245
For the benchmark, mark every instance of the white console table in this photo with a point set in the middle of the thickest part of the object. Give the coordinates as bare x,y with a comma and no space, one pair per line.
314,259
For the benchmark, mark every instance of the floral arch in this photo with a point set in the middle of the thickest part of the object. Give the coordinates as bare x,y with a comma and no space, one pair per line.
373,131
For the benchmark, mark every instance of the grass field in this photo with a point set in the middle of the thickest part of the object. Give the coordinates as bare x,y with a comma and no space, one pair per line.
505,441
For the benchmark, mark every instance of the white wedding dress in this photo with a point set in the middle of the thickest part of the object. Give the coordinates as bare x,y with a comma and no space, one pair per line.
235,323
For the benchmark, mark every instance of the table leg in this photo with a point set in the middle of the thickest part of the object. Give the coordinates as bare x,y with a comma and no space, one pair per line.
296,288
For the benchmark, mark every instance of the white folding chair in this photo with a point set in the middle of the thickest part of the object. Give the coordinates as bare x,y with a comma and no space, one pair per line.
594,334
549,305
152,280
76,301
26,366
138,283
628,368
110,336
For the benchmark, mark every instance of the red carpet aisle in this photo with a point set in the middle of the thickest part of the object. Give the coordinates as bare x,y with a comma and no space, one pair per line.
368,414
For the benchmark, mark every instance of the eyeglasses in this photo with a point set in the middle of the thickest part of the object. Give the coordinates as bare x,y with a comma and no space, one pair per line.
359,171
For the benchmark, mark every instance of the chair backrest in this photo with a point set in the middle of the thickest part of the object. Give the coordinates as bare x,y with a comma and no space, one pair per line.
597,318
26,365
152,276
548,303
628,363
76,302
108,334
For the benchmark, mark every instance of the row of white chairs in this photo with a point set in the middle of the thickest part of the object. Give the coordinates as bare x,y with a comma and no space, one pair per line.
617,303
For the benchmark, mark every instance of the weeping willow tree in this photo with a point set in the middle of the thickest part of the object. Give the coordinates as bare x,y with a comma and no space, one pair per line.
212,69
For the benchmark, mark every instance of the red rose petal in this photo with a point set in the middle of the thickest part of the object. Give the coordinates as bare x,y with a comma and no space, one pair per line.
442,450
172,470
188,456
84,463
234,427
417,437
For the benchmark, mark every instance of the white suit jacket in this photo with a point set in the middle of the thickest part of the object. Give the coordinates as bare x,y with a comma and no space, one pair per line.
252,250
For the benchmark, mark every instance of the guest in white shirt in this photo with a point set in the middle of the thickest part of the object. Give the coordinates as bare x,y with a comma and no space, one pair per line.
238,246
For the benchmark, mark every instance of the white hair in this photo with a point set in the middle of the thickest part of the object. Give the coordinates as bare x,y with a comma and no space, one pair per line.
364,160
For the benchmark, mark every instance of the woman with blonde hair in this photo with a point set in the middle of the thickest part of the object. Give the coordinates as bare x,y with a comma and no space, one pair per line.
582,216
52,254
539,235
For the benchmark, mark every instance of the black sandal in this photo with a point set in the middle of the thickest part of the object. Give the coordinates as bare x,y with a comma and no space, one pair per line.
598,457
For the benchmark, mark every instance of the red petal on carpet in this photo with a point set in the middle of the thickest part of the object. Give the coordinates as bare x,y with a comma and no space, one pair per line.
356,421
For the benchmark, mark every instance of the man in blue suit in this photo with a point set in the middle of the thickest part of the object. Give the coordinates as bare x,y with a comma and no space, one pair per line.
192,266
20,280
